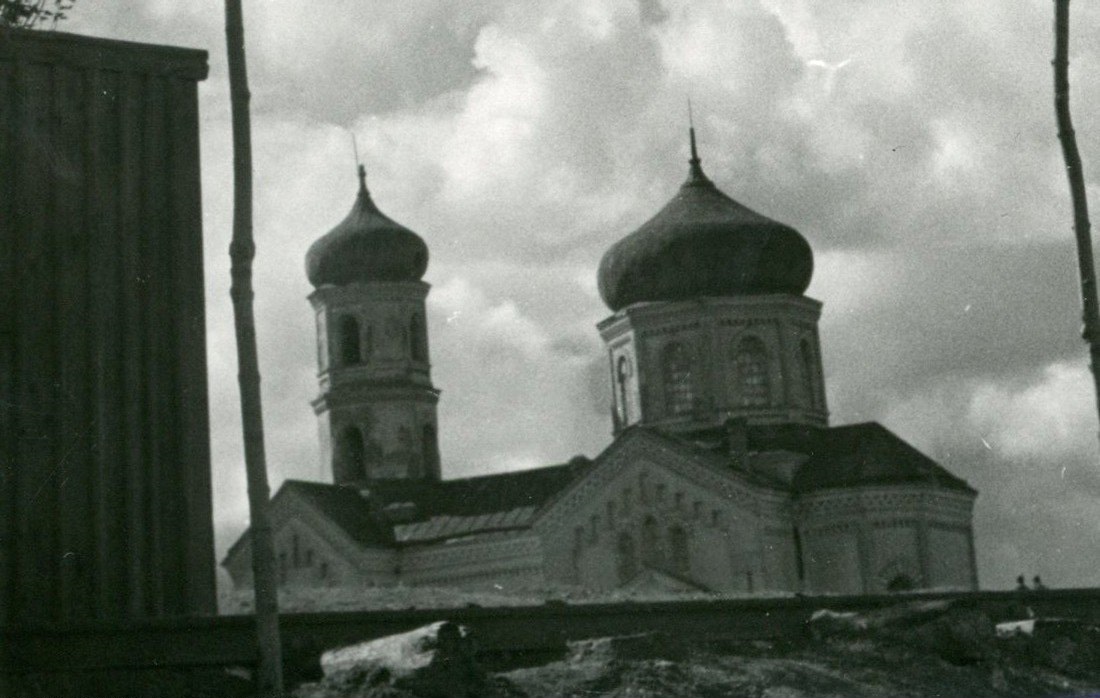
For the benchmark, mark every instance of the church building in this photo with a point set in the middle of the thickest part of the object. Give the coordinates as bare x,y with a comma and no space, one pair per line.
723,474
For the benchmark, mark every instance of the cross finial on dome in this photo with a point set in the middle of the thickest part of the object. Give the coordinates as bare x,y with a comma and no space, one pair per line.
362,179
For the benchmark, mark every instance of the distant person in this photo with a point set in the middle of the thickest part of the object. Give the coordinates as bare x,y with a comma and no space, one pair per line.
1038,584
1021,585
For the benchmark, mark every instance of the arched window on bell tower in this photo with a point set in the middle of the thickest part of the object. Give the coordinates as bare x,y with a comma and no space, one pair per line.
751,366
351,456
430,449
809,382
350,350
677,379
417,345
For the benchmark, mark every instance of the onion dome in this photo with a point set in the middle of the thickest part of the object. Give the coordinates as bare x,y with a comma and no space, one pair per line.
366,246
703,243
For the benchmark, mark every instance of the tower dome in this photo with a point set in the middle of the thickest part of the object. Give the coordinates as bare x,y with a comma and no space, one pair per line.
703,243
366,246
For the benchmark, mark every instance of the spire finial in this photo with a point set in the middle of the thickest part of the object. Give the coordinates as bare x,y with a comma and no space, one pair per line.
691,133
696,168
358,164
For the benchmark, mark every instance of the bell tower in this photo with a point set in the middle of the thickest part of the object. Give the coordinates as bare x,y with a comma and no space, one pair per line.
377,407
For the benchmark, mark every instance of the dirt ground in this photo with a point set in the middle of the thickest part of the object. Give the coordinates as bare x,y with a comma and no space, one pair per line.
945,652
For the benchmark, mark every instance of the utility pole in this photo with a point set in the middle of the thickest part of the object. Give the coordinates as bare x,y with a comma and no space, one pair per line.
1075,173
242,249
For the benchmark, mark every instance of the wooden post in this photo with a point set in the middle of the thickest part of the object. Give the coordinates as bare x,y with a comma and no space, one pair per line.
241,251
1075,173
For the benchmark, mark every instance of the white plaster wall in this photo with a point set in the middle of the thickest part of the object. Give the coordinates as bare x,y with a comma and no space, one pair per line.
724,533
892,519
951,564
710,330
780,565
832,561
895,551
497,561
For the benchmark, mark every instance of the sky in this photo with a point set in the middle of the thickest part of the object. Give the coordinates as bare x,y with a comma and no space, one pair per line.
912,143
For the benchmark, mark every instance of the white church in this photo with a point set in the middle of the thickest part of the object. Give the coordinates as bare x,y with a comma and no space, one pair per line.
723,475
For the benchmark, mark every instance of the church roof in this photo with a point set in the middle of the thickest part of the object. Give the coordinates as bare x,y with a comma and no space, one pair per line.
869,454
483,493
703,243
409,512
366,246
435,510
345,507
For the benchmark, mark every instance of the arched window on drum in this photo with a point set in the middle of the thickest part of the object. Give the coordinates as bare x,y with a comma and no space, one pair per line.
751,367
622,375
677,375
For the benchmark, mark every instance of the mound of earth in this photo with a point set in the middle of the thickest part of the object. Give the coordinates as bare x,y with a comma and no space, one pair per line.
911,650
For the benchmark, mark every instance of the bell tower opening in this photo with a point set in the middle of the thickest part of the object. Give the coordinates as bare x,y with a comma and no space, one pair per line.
350,348
351,463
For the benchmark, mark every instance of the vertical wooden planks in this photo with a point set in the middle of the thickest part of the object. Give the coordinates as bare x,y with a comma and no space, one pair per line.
189,351
37,515
104,454
132,355
154,275
69,181
106,282
9,299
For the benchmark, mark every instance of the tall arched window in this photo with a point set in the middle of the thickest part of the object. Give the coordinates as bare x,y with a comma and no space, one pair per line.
806,354
350,353
626,557
622,373
651,541
751,366
681,555
430,448
417,345
350,460
676,372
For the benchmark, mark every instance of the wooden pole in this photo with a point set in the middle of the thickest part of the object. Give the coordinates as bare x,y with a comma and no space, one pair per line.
1075,173
241,251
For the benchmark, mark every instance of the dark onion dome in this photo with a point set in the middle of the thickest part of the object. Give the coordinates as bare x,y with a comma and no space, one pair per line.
703,243
366,246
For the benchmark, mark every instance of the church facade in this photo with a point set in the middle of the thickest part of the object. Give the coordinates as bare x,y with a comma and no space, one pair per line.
723,474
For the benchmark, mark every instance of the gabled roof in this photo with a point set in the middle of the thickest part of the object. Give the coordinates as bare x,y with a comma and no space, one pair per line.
346,508
869,454
440,509
483,494
483,504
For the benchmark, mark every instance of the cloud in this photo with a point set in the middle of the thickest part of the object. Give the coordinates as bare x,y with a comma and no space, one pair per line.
522,139
1052,418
